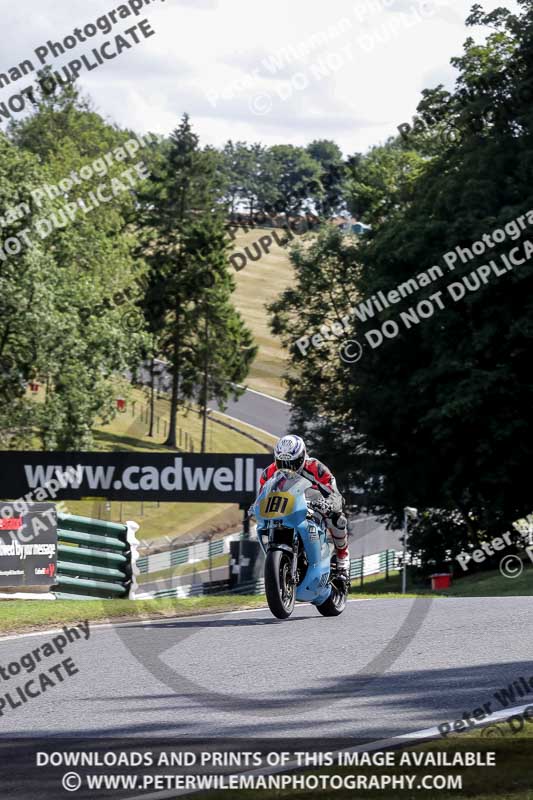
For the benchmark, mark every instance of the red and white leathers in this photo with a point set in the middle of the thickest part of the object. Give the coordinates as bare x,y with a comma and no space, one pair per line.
324,482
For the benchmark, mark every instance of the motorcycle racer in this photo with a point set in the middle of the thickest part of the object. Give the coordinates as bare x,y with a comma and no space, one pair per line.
290,453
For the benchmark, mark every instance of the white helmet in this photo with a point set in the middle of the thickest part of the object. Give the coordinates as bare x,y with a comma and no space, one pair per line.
290,453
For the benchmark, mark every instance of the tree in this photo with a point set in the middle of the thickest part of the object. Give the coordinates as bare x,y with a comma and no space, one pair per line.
239,167
86,337
437,416
27,286
381,181
178,188
329,155
189,289
296,177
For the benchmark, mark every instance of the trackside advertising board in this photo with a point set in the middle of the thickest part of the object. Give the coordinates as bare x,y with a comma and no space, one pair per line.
28,545
194,477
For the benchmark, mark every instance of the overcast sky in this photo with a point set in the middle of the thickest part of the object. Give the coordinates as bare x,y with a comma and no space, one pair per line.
349,70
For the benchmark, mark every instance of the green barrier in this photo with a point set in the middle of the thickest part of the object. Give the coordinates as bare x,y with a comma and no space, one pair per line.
96,559
101,588
180,556
88,538
88,571
69,552
71,522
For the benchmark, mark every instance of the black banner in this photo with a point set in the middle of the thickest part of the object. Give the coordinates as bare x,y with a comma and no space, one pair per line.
28,545
188,477
56,768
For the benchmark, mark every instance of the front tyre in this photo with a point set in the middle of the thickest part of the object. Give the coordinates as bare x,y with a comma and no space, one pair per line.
335,604
279,587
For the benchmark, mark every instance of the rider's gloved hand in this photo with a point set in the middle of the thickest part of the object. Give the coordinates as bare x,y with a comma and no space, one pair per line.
321,505
336,501
250,511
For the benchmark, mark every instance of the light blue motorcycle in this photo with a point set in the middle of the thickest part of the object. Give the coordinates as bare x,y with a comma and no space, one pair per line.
292,532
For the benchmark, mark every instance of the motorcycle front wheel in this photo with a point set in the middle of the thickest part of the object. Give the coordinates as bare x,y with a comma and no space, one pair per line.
279,588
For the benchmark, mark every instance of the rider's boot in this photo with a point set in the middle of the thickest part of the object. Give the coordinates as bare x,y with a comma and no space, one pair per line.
339,533
343,562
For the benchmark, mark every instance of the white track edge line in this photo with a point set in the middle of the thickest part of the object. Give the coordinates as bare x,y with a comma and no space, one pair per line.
131,622
249,424
263,394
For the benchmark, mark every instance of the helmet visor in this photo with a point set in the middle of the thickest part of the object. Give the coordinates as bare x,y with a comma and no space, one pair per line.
291,464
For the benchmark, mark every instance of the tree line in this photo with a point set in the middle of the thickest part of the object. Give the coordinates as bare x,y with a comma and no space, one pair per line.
145,276
439,416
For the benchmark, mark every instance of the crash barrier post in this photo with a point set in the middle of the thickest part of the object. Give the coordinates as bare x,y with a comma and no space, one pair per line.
247,562
96,559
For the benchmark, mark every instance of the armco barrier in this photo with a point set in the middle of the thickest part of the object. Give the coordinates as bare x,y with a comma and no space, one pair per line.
371,564
374,564
96,559
188,554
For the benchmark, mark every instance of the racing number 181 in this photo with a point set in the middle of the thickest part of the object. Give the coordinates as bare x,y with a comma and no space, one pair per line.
276,504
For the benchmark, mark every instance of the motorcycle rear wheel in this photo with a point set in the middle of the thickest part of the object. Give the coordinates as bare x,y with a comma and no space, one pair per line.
280,593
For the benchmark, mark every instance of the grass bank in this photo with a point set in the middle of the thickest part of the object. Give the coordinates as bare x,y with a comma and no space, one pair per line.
481,584
258,284
28,615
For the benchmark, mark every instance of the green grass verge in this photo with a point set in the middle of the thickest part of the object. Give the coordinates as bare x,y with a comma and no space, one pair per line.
481,584
22,615
26,615
492,584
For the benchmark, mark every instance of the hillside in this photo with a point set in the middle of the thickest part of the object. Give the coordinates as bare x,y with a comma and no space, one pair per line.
259,283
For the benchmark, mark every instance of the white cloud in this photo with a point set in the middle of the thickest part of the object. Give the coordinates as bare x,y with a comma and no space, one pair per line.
351,70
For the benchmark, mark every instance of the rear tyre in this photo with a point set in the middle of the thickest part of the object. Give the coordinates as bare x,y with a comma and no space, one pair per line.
279,589
335,604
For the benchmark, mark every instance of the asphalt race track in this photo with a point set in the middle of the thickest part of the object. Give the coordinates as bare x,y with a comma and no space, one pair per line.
261,411
385,667
253,408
